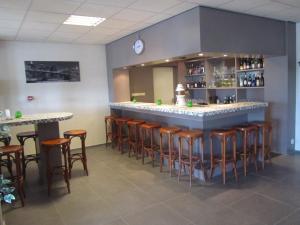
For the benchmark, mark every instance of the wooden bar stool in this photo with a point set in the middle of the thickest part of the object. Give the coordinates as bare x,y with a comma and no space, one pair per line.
22,137
249,151
170,153
6,162
122,132
222,160
265,128
134,136
50,145
16,150
110,129
189,158
73,157
148,145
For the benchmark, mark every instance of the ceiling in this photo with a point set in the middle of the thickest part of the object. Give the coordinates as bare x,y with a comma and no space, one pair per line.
41,20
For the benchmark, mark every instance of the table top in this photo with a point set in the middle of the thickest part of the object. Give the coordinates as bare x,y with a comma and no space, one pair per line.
37,118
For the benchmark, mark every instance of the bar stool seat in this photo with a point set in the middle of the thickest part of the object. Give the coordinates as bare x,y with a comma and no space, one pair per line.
50,145
16,150
134,141
148,145
73,157
122,136
170,153
189,158
22,137
265,147
222,160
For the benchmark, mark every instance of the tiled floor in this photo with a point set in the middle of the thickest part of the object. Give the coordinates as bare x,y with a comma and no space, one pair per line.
121,191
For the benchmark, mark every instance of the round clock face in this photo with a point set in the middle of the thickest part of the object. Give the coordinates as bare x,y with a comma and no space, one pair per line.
138,46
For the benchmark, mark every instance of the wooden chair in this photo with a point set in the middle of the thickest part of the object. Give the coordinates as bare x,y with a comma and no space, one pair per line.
110,129
134,136
148,145
122,132
22,137
249,150
51,145
189,158
223,135
170,153
265,147
81,156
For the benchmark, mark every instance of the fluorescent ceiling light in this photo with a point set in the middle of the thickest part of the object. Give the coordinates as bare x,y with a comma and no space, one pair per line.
84,20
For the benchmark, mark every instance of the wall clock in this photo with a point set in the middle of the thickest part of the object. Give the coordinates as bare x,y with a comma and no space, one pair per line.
138,46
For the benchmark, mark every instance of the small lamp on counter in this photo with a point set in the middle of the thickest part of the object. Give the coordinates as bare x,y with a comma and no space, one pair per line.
180,95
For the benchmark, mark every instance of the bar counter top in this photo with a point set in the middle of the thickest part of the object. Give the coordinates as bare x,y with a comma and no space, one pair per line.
195,111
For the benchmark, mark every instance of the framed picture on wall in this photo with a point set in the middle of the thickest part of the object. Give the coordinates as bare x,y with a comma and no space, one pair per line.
52,71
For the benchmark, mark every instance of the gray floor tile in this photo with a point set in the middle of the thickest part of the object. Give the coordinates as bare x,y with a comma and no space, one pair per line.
262,208
292,219
158,214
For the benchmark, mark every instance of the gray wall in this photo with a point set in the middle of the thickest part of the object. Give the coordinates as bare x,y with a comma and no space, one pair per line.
141,80
224,31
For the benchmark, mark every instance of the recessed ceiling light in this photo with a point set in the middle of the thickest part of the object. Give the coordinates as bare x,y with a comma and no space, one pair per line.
84,20
167,60
143,64
200,54
225,55
125,68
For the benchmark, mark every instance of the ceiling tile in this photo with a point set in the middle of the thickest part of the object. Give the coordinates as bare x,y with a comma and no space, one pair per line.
73,29
14,24
64,36
154,5
44,17
184,6
56,6
115,23
243,5
8,32
211,3
15,4
268,9
133,15
119,3
103,31
92,39
11,14
50,27
32,35
97,10
295,3
157,18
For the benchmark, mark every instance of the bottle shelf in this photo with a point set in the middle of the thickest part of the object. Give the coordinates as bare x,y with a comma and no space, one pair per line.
249,70
196,75
250,87
221,88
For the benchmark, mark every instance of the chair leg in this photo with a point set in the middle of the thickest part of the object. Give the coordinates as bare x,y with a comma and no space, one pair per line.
84,155
66,172
19,178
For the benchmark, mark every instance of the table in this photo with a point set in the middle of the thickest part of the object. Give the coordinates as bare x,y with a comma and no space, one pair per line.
47,127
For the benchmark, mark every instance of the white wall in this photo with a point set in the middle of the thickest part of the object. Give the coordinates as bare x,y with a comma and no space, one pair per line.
87,99
297,135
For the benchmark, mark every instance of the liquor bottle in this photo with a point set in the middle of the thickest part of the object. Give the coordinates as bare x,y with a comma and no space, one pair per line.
248,64
253,81
245,82
195,84
188,85
190,70
259,63
262,63
262,80
202,69
249,82
252,64
257,83
241,64
241,81
244,64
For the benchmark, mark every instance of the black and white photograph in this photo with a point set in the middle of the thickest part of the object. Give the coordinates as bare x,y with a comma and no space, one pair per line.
52,71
